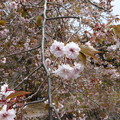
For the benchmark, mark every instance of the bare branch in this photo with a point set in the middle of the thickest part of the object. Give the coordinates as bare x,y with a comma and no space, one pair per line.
9,55
97,6
34,102
58,117
43,60
38,89
83,94
28,76
79,28
52,3
61,17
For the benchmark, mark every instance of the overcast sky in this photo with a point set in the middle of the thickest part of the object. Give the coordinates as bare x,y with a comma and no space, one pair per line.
116,8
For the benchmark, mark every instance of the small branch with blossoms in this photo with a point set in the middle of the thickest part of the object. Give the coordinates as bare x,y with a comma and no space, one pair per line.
10,102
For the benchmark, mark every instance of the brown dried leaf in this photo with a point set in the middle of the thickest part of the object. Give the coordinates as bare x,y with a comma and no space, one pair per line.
38,20
90,51
82,58
2,22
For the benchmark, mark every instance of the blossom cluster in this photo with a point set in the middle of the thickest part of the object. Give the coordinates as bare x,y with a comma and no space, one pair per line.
6,113
71,51
65,71
114,47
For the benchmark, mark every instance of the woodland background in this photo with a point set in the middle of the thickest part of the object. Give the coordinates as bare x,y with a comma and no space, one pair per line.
28,28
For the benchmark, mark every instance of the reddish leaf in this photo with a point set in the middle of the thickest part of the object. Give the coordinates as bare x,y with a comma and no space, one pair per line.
17,93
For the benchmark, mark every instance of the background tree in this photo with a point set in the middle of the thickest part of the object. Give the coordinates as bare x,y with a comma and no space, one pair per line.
30,30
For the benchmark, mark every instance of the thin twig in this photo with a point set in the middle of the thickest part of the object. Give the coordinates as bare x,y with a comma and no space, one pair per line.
9,55
61,17
50,98
34,102
56,112
28,76
97,6
29,97
79,28
83,94
52,3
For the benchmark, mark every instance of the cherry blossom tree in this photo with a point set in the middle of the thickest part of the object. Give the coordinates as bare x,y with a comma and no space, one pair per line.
62,53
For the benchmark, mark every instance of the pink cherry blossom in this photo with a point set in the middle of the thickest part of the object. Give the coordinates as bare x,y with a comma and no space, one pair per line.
90,46
48,61
64,71
12,5
72,50
114,47
5,91
27,46
79,67
57,49
9,114
3,60
4,87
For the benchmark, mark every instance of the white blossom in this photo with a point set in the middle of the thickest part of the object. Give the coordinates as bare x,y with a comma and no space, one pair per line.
114,47
48,61
11,5
4,87
79,67
115,75
9,114
90,46
26,45
64,71
72,50
5,91
57,49
3,60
